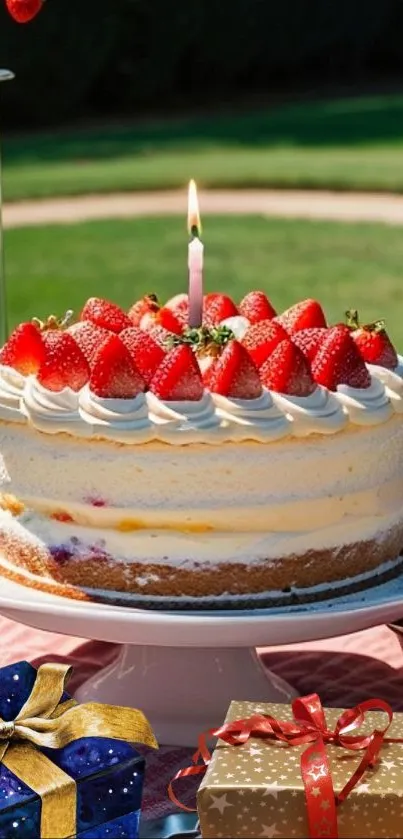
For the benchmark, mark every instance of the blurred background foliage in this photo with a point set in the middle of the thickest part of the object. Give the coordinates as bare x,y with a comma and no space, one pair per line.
104,57
122,95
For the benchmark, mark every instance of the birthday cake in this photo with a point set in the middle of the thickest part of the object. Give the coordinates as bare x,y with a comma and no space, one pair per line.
255,460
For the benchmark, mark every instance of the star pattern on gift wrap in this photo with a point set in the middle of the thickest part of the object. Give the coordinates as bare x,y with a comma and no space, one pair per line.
390,764
324,827
362,788
269,831
274,790
375,812
317,772
219,802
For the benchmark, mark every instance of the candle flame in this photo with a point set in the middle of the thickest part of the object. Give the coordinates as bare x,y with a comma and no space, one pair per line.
194,224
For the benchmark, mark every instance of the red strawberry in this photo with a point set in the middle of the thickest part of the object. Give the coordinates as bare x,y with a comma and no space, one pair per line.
163,317
64,364
145,352
89,337
262,338
338,361
147,304
234,374
373,342
105,314
24,350
179,303
304,315
24,10
178,377
287,371
309,340
217,307
161,336
256,306
114,374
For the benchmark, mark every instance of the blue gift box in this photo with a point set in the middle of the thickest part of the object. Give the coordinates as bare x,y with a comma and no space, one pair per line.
108,775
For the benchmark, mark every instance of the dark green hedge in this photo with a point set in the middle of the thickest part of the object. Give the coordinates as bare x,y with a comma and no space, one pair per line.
100,56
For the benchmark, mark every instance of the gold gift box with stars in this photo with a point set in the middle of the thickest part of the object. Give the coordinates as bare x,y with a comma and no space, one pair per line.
255,791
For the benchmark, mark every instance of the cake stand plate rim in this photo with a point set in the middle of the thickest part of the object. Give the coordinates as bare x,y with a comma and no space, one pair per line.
247,628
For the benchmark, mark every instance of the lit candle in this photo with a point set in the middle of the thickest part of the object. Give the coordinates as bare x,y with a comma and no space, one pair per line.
195,260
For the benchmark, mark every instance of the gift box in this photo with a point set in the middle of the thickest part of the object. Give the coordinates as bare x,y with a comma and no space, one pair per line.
280,771
66,770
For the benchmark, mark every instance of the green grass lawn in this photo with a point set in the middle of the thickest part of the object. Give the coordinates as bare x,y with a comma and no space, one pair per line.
51,269
341,144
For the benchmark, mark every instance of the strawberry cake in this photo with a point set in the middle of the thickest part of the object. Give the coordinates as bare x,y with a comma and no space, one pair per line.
256,460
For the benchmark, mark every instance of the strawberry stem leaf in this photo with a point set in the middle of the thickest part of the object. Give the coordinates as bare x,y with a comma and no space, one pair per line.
207,340
376,326
353,322
153,299
352,318
53,322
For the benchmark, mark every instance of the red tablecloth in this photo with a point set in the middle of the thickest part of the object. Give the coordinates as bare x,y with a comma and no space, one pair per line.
343,670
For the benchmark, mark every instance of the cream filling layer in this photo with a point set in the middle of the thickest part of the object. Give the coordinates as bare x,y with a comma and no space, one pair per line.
184,549
302,516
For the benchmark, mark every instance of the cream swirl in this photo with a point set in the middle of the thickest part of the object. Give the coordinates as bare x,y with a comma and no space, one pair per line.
366,406
12,386
124,420
392,381
252,419
238,325
318,413
212,420
48,410
194,420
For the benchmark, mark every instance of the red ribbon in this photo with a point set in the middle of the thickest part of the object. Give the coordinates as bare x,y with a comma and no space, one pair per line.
308,727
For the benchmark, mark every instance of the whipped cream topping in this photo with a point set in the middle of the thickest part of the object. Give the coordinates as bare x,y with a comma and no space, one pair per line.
191,418
238,325
318,413
116,418
257,419
213,419
48,410
392,381
366,406
12,386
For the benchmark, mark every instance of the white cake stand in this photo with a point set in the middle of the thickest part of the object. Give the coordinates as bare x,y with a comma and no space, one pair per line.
184,669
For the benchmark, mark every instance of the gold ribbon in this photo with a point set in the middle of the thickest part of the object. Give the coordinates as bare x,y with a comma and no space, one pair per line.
44,722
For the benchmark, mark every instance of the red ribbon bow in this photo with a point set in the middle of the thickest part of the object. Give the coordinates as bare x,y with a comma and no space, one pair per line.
308,727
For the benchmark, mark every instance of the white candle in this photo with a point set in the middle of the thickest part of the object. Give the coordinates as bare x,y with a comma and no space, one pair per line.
195,260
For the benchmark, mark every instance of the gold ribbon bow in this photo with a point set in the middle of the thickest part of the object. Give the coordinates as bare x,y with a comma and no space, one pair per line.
44,722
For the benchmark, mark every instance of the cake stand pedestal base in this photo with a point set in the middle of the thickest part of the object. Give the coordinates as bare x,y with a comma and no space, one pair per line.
184,691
